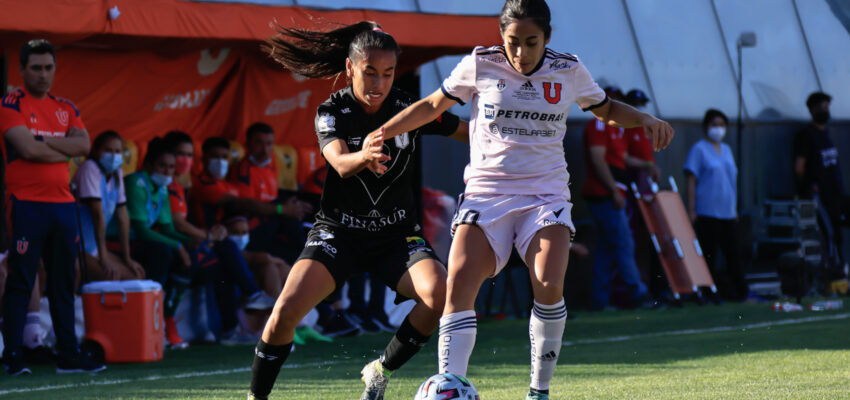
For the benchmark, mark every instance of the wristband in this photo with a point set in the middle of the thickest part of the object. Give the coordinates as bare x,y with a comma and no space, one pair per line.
209,235
649,164
279,209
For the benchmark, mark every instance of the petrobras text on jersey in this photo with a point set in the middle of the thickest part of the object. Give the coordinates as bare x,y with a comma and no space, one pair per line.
490,112
373,224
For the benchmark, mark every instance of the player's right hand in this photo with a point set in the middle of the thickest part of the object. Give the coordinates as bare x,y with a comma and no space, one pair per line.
372,151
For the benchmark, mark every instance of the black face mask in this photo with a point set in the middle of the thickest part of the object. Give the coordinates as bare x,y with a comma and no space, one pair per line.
820,117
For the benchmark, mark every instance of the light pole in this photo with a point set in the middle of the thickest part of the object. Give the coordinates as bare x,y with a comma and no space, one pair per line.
746,39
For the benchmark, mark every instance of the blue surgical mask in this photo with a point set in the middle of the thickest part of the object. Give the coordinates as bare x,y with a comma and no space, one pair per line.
240,240
160,180
260,163
111,162
218,167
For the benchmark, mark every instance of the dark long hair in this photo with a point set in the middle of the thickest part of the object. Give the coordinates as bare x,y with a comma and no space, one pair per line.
317,54
101,140
157,148
537,10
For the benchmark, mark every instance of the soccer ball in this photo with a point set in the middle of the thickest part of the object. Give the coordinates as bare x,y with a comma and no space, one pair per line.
446,387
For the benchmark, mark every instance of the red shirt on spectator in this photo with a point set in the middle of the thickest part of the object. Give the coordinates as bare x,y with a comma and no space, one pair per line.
597,133
48,117
639,144
254,182
206,193
177,200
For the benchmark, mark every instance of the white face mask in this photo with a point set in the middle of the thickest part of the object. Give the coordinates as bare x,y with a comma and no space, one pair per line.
218,167
160,180
716,133
240,240
260,163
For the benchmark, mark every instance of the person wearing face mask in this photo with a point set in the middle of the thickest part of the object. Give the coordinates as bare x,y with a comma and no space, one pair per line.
818,174
233,271
712,198
255,177
151,220
99,184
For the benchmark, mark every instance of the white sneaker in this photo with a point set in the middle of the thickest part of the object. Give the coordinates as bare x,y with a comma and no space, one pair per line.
260,301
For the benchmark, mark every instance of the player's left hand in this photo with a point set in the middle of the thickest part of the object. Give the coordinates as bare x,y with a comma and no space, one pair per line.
660,132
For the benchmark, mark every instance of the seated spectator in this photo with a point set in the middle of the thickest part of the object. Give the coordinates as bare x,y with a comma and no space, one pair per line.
712,198
99,184
255,177
269,271
233,272
151,221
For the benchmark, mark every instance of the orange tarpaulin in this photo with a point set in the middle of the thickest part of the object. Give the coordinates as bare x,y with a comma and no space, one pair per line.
197,67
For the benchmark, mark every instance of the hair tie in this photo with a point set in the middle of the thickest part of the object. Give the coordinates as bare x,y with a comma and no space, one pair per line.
378,29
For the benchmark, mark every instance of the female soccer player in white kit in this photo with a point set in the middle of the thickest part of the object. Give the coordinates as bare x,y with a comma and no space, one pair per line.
516,182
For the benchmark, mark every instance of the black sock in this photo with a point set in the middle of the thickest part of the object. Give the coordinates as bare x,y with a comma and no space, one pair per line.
533,391
406,342
267,362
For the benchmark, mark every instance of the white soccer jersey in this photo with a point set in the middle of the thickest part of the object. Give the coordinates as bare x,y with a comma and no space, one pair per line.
518,121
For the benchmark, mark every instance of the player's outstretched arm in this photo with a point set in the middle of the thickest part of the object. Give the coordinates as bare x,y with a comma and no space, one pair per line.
31,149
348,164
620,114
75,144
418,114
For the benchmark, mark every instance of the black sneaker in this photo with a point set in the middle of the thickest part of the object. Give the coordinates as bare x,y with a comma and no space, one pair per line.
364,321
39,355
338,325
18,369
80,364
381,320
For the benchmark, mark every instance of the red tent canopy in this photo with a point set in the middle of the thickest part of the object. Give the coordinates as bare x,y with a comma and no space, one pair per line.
169,64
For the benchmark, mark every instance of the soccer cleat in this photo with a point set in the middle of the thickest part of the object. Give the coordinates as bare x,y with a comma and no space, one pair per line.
535,395
80,364
260,301
252,397
376,378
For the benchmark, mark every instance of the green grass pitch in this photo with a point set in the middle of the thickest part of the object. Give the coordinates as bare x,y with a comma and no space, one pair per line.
733,351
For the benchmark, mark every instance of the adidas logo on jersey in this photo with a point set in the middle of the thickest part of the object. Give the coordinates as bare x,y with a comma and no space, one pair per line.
550,356
528,86
526,92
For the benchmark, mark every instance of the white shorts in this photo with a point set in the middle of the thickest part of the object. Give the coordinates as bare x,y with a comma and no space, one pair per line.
512,219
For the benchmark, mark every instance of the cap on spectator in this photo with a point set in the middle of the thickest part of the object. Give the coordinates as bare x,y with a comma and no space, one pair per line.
816,98
635,97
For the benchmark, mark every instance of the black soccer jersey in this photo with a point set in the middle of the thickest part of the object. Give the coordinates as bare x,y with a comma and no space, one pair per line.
370,202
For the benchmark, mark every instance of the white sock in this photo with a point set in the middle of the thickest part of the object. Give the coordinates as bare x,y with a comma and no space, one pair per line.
545,329
457,338
32,331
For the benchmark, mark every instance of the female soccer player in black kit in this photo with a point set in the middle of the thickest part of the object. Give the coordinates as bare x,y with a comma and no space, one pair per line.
367,219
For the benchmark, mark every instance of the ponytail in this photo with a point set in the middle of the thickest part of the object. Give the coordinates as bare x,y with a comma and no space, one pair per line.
322,54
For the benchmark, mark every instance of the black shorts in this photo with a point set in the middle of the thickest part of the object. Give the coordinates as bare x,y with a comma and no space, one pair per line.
385,256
